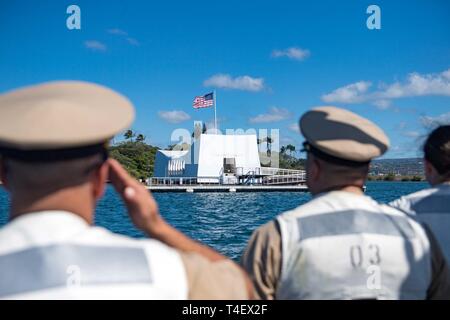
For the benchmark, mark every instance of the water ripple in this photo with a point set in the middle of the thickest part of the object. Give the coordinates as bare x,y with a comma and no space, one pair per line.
223,221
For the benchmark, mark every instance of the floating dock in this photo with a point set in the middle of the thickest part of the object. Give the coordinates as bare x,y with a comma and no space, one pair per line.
226,188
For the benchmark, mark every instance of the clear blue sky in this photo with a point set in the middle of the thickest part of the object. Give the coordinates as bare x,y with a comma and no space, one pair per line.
160,54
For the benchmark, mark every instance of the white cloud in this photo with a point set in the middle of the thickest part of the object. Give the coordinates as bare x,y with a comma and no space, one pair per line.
174,116
124,34
294,127
292,53
352,93
415,85
419,85
411,134
95,45
432,122
402,125
133,41
273,115
118,32
288,140
245,83
382,104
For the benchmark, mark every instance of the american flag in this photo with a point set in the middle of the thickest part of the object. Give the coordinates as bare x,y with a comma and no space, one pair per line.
204,101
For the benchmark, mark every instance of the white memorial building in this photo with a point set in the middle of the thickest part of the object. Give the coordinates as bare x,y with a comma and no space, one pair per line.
217,159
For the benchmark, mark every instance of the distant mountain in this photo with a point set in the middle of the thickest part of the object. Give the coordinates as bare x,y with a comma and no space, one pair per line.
382,167
285,161
137,157
403,167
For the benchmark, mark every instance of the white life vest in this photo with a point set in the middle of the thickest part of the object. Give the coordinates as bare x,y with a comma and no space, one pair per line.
431,206
346,246
57,255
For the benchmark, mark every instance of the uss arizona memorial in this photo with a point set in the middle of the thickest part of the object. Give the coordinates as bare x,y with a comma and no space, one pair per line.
219,160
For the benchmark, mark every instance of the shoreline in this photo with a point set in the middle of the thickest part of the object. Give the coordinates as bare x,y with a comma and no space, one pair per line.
226,188
404,181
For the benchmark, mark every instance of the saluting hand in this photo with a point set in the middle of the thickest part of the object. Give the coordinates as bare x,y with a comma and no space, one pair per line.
142,208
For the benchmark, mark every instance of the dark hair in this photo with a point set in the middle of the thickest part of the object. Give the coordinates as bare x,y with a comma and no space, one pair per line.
437,149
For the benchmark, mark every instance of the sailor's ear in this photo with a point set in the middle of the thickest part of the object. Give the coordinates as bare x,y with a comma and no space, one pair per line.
99,180
316,169
3,178
427,167
431,174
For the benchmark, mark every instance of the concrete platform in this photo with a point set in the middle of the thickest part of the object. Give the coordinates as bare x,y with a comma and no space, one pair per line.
226,188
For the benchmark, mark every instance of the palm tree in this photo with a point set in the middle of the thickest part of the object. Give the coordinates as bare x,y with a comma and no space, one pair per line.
290,148
269,146
140,138
283,150
129,134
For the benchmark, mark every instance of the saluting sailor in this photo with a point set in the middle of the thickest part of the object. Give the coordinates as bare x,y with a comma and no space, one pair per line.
55,165
432,205
343,244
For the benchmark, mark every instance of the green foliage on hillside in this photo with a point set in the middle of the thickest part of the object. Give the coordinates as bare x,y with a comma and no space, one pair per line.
137,157
290,162
392,177
286,161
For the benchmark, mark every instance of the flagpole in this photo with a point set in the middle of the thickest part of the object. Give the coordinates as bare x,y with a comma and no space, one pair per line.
215,111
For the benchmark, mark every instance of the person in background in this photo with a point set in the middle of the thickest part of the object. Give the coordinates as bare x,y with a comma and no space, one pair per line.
342,244
432,205
54,164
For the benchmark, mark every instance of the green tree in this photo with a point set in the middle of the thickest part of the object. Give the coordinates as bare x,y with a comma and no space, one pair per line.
290,148
288,161
138,158
140,138
129,135
269,146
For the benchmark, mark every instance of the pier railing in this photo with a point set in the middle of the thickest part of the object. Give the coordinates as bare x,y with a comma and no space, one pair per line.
284,179
251,176
272,176
267,171
181,180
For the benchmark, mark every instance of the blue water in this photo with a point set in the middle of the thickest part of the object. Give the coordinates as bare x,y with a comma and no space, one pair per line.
224,221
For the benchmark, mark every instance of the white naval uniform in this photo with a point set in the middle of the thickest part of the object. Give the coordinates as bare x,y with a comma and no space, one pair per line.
431,206
57,255
346,246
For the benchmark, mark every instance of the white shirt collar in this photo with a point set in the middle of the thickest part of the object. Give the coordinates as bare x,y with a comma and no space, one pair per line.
59,215
52,224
